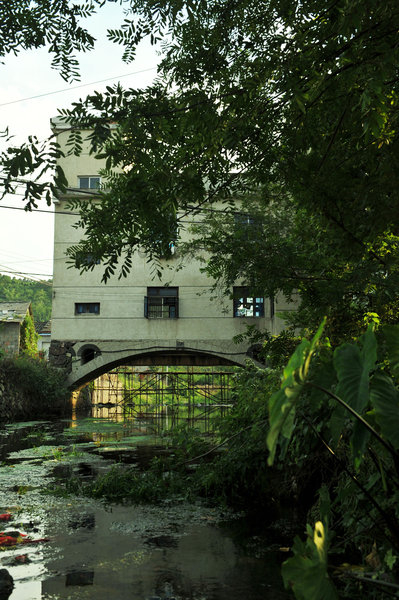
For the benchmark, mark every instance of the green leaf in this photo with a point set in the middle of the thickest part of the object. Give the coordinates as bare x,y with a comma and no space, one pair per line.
390,559
282,403
391,334
385,400
353,366
306,572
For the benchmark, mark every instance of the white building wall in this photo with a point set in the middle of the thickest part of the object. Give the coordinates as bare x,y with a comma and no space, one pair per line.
121,316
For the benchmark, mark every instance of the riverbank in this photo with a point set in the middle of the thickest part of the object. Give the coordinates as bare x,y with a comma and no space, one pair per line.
30,388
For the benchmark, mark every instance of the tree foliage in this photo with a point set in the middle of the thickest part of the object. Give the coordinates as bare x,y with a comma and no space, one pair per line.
291,108
56,26
29,337
24,290
26,25
43,389
283,105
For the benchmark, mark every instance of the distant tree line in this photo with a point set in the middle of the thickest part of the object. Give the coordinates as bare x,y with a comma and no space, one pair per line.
25,290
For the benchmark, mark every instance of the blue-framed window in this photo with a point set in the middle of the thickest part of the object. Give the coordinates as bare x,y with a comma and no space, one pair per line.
247,305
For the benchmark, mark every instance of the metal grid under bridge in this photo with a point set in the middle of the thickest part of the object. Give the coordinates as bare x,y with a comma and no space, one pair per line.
163,398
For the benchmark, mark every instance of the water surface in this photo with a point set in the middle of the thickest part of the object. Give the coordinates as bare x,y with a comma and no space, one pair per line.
95,550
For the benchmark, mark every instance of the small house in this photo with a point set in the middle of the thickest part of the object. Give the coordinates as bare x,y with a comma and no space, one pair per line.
12,318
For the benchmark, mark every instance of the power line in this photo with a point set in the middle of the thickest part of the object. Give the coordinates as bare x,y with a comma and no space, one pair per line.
27,276
39,210
71,213
76,87
28,260
22,273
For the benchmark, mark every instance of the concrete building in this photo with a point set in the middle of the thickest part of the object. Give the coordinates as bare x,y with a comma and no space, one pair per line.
139,320
12,316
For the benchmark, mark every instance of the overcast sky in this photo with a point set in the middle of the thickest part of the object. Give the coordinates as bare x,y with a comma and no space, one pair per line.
26,239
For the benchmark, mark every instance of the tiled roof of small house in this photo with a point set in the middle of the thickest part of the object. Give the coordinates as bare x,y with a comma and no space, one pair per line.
43,327
14,312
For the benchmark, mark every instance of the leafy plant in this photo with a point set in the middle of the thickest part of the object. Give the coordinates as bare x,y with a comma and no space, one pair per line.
29,337
354,413
42,387
19,290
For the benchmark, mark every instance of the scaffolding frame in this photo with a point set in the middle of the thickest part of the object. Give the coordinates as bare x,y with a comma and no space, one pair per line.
163,398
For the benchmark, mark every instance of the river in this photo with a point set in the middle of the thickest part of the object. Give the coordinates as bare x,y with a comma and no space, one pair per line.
79,548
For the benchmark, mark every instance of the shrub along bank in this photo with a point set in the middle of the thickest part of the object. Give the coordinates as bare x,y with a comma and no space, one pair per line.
30,388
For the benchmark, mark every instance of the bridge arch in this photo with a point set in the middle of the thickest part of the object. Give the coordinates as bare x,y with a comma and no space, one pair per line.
92,360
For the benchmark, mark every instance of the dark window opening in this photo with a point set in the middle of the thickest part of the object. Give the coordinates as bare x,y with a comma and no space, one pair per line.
86,259
161,303
246,227
89,353
84,308
243,220
245,305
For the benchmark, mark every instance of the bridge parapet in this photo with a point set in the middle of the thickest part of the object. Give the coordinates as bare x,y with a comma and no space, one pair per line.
85,361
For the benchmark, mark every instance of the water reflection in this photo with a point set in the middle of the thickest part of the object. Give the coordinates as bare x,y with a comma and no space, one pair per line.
79,578
97,552
197,562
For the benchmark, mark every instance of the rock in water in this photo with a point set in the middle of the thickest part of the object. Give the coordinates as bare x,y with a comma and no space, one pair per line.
6,584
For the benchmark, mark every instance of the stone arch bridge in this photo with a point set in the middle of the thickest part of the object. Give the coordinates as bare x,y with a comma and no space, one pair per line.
87,360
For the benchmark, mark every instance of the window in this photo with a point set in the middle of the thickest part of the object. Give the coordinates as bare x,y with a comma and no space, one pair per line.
85,308
246,227
86,259
243,220
161,303
245,305
89,183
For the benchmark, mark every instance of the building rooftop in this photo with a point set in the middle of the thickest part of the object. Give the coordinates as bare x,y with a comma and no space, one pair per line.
43,327
14,311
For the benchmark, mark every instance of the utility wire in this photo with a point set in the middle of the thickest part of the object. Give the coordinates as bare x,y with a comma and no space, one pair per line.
75,87
70,213
27,277
22,273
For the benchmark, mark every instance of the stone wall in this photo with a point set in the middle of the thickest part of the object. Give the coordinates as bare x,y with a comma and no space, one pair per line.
61,355
9,337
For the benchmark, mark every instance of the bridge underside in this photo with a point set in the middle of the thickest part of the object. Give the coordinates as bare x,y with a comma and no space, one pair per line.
87,360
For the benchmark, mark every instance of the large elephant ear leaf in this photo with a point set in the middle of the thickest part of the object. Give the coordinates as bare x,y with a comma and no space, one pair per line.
282,403
385,401
391,334
353,366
